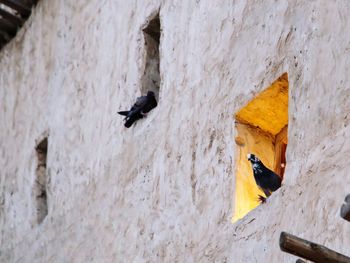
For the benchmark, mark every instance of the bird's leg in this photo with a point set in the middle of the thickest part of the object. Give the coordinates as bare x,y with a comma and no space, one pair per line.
261,198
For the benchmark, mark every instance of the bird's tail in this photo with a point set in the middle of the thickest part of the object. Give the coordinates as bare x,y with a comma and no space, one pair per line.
129,122
124,113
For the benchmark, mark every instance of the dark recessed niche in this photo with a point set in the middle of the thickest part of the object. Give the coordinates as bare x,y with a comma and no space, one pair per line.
40,185
153,29
150,80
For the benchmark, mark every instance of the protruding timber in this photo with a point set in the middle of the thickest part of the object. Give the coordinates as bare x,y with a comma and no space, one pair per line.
310,251
345,209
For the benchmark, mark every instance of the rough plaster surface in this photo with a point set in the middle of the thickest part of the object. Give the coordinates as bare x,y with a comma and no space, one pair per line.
162,191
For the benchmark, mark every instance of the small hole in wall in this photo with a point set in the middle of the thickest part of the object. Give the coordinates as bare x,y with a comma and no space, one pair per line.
261,129
150,80
40,185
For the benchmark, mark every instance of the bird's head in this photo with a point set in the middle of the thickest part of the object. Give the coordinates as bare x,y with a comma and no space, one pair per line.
252,158
150,94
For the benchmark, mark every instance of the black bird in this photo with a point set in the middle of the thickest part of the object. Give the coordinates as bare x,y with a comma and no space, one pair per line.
266,179
142,106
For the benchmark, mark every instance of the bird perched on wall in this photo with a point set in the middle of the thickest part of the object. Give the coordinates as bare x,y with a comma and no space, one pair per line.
142,106
266,179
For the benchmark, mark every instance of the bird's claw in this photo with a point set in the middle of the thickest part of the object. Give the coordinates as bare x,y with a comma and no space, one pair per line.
261,199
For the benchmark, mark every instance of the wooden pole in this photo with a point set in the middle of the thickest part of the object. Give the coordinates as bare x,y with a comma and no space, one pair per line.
310,251
345,209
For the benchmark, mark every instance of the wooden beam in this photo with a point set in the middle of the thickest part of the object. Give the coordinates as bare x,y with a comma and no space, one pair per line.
345,209
17,6
310,251
11,18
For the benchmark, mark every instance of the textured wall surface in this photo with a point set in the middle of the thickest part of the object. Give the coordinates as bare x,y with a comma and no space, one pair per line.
163,191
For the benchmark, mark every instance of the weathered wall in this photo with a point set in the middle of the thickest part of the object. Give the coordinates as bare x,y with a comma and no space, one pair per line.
162,191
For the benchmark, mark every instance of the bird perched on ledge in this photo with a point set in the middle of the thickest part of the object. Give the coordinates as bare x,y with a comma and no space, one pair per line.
142,106
266,179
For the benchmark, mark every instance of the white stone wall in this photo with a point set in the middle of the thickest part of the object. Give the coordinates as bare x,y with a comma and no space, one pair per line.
163,190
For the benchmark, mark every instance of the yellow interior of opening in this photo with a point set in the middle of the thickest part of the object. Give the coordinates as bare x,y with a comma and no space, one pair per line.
258,128
269,110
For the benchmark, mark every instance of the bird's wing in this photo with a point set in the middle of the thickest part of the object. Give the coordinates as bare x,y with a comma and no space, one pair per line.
151,104
275,182
268,179
267,192
138,105
141,102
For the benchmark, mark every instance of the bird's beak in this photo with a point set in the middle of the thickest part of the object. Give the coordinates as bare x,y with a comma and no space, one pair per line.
249,157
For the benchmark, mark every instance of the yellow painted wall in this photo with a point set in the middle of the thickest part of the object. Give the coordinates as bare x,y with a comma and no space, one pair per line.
268,110
250,140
